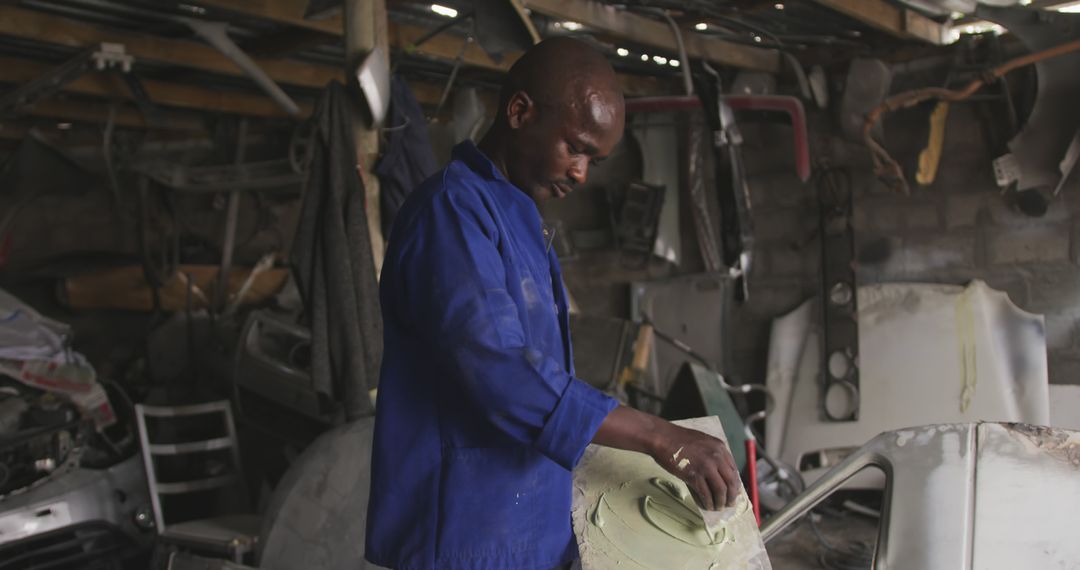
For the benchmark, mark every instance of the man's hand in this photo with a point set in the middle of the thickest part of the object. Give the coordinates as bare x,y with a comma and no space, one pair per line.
700,460
703,462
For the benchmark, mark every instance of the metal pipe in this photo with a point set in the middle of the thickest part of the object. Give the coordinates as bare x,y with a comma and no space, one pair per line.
229,241
214,33
688,82
824,486
453,76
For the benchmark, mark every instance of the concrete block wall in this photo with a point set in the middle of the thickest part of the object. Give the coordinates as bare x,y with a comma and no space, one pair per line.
955,230
787,253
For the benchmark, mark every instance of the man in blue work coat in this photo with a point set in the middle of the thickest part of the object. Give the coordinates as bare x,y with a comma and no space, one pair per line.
479,416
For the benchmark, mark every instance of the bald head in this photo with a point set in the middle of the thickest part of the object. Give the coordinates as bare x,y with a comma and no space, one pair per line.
560,110
564,71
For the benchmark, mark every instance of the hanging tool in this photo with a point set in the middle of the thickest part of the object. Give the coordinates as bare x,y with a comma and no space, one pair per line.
635,371
930,156
885,166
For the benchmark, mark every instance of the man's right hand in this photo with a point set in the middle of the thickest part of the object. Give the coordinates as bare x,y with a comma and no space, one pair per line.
703,462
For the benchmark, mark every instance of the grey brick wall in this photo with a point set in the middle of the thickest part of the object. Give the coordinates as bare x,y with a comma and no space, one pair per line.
957,229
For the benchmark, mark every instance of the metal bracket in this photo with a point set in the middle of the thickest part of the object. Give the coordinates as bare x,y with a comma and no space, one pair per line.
840,345
102,57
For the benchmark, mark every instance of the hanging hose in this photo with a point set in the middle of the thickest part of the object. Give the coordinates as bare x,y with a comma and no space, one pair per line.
688,82
884,165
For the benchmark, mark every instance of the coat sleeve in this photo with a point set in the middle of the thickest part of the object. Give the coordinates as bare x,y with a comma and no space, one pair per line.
454,286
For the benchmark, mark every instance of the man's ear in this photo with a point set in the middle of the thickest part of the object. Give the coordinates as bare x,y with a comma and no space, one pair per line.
520,109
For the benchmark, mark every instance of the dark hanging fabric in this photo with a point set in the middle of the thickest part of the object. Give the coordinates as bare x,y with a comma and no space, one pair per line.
408,159
333,264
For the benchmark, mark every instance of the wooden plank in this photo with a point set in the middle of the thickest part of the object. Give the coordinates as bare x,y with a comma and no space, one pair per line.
126,116
886,17
427,93
12,130
38,26
646,31
291,12
919,26
285,42
110,85
281,11
446,47
126,288
874,13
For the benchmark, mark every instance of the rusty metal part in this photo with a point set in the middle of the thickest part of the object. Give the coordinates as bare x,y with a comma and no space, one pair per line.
885,166
1038,146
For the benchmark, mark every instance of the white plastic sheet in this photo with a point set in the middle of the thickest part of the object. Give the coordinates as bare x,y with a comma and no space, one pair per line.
35,350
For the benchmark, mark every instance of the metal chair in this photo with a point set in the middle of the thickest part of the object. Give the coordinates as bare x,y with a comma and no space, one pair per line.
233,535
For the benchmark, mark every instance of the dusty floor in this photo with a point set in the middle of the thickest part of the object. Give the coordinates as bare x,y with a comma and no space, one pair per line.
851,536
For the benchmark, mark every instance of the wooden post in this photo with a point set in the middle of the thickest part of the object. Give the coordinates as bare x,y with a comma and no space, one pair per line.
365,29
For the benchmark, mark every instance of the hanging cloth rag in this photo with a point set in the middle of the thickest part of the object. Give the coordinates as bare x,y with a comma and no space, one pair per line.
333,264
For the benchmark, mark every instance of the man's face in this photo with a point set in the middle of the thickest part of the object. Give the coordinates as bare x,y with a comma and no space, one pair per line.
556,143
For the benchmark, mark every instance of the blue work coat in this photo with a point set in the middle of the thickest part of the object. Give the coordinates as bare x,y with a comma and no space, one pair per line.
479,418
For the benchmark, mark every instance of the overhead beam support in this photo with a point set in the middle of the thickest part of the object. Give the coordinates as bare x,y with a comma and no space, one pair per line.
39,26
897,21
281,11
626,25
110,85
446,47
399,36
646,31
56,30
126,116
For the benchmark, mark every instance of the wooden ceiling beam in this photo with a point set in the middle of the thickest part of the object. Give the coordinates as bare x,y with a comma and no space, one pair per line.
654,33
284,42
622,24
446,47
93,112
112,86
401,36
56,30
37,26
13,130
427,93
894,20
289,12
